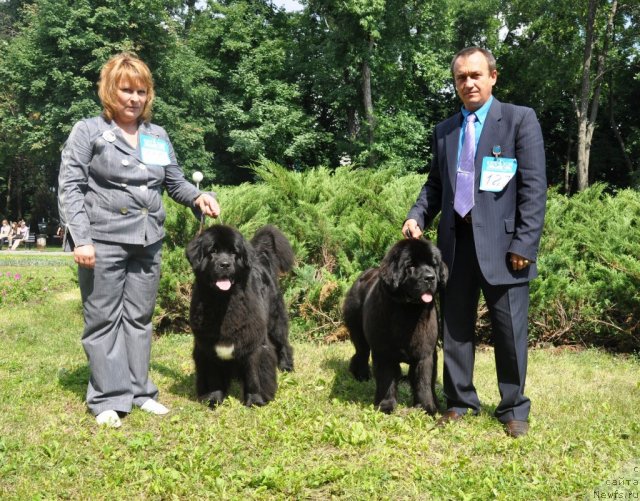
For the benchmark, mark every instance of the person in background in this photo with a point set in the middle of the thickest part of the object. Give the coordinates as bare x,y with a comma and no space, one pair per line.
112,173
488,182
20,235
5,233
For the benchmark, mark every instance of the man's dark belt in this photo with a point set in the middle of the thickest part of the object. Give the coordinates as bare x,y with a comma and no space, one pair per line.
463,220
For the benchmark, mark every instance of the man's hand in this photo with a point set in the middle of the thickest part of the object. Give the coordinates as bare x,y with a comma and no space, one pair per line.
208,205
410,229
518,262
85,256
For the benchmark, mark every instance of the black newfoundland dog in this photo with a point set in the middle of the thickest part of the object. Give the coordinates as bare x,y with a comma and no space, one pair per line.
390,312
238,315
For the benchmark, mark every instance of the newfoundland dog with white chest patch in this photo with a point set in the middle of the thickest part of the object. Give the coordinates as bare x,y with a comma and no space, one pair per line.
390,312
238,315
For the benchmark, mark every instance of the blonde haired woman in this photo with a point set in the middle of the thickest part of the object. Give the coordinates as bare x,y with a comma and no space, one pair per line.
113,170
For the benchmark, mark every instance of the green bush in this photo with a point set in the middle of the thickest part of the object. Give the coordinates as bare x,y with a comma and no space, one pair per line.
589,264
342,221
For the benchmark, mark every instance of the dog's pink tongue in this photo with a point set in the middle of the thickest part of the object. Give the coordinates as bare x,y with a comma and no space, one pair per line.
224,284
426,297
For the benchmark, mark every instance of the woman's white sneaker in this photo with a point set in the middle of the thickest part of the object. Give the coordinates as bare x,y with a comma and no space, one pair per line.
153,407
109,418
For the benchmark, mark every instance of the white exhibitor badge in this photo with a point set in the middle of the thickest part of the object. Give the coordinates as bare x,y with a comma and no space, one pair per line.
154,151
496,173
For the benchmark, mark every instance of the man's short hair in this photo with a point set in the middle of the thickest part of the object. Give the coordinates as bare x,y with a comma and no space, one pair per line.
467,51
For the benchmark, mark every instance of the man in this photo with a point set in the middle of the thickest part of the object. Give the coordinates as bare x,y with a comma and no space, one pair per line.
488,180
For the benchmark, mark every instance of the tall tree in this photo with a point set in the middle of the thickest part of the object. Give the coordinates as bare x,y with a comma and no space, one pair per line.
245,47
378,71
556,56
49,72
596,38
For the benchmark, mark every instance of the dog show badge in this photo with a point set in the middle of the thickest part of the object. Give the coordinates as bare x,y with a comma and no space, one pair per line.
497,172
109,136
154,151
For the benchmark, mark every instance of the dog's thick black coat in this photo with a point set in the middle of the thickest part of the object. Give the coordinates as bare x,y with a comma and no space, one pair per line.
390,313
238,315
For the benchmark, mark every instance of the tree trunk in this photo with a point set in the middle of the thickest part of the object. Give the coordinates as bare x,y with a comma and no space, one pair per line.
582,167
567,168
352,112
616,132
352,123
368,102
9,191
587,118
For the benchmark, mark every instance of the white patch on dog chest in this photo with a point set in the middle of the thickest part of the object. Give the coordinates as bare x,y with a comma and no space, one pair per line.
224,352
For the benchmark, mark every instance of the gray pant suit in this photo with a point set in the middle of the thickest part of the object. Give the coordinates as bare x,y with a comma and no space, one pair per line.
110,196
118,298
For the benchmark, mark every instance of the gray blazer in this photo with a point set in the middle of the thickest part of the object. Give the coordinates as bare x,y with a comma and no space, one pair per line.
509,221
106,192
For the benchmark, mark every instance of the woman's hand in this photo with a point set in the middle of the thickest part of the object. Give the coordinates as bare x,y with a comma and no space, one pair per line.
208,205
85,256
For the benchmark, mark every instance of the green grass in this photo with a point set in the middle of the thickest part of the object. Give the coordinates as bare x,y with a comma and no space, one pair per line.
48,257
320,438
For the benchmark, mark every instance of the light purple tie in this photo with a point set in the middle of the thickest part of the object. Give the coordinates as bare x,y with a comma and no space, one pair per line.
465,177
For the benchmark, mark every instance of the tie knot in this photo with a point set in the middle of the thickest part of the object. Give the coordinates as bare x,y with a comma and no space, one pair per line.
471,117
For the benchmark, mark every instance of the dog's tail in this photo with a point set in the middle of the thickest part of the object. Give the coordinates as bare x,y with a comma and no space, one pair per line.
273,249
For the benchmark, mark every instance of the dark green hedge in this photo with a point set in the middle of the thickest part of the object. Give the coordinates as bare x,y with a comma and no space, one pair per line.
342,221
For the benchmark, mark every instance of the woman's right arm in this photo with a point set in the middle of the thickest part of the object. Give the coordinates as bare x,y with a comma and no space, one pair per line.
73,181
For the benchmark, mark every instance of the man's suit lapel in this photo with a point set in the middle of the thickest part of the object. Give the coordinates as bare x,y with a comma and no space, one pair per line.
452,141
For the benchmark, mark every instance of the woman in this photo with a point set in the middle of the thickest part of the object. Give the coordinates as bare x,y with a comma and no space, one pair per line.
19,235
111,177
5,233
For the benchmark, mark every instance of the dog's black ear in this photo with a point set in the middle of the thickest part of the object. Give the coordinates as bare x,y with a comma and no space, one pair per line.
443,270
246,254
195,253
392,268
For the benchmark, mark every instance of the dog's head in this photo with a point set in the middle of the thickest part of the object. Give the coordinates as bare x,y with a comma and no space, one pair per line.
220,257
413,271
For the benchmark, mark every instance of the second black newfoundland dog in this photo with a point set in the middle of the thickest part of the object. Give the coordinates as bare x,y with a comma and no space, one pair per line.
390,312
238,315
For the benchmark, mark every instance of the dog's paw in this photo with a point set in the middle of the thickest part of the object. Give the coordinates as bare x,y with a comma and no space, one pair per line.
212,399
387,405
285,365
254,399
429,408
360,370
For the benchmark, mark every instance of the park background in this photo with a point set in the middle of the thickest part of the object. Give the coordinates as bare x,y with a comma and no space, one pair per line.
319,120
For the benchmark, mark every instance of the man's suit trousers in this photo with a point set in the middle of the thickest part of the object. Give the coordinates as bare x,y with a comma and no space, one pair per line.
508,309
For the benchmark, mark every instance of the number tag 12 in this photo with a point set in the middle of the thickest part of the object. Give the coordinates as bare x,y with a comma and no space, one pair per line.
496,173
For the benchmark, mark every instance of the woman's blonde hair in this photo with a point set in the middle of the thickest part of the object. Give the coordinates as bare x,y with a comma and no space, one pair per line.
124,66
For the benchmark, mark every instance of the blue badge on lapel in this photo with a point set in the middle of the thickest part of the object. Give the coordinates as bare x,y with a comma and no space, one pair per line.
154,151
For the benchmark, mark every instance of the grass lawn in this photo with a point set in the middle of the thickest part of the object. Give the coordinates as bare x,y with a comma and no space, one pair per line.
320,438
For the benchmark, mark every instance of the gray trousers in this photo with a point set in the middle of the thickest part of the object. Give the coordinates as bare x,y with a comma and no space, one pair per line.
118,299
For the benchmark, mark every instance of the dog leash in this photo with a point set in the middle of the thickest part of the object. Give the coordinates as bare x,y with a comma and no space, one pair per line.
202,218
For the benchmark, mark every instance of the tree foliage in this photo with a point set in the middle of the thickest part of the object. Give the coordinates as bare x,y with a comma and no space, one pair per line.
240,80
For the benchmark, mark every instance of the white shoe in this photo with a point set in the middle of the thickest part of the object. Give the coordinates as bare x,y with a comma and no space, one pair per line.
154,407
109,418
